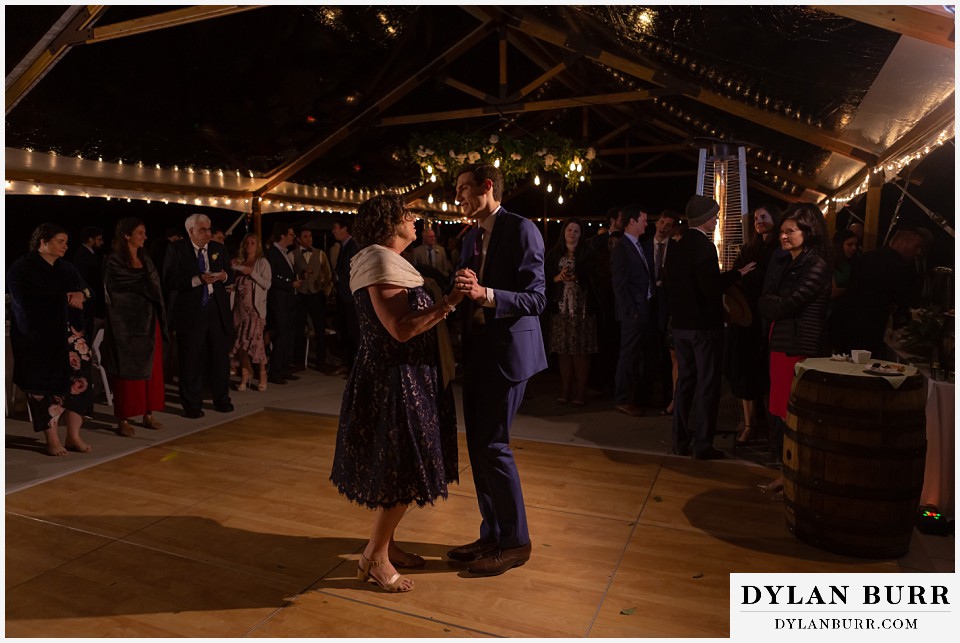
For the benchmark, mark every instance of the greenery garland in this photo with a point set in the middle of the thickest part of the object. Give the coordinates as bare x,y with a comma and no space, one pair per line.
440,155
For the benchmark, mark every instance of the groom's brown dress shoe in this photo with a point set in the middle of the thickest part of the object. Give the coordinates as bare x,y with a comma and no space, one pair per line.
501,561
472,551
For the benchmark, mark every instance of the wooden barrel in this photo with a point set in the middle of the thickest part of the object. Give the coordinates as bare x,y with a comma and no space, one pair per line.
853,459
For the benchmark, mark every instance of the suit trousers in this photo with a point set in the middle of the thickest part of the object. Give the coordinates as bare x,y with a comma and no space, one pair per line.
204,352
281,315
697,396
490,402
630,362
313,305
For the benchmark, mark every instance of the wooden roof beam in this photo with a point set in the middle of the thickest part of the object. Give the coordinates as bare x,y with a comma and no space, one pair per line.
790,127
48,51
915,22
644,149
163,20
367,116
514,108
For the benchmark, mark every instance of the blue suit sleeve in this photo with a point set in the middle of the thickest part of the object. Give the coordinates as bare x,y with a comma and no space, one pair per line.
530,298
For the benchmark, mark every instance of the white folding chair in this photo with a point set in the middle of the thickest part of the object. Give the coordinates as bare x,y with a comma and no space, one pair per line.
103,372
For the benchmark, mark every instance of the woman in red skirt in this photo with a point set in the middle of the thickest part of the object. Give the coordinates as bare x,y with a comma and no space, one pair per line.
796,293
132,351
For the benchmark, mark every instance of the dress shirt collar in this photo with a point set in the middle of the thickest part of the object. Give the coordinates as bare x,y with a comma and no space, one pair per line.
635,240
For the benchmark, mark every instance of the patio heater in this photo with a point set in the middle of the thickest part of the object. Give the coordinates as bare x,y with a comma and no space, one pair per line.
722,175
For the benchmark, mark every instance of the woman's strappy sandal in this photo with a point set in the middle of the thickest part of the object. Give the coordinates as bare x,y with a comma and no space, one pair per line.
395,584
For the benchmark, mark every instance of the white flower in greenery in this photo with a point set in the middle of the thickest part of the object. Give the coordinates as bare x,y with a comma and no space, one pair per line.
591,154
515,156
473,157
548,160
494,138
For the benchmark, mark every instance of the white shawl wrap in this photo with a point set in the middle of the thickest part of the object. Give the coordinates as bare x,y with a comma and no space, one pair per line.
379,265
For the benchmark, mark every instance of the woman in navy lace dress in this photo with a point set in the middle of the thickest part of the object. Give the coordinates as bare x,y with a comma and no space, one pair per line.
397,439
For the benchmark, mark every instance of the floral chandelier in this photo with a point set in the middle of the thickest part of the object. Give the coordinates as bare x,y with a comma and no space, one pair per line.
548,158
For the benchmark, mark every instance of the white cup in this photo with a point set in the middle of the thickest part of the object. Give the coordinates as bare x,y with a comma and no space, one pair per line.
860,357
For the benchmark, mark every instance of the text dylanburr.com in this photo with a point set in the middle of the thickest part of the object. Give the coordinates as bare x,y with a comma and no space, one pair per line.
844,607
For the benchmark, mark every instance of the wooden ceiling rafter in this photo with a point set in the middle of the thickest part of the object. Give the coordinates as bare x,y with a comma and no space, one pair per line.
516,108
165,20
48,51
793,128
915,22
525,43
368,116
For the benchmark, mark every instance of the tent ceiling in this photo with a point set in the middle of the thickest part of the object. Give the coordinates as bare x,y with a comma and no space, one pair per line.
331,95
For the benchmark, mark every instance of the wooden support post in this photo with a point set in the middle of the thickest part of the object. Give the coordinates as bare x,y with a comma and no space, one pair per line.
831,221
871,220
257,217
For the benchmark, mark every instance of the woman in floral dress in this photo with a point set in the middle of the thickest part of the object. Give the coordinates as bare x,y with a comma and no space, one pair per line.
51,323
570,268
250,310
397,440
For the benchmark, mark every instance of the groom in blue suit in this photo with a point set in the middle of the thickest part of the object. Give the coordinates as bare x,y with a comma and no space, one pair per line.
501,274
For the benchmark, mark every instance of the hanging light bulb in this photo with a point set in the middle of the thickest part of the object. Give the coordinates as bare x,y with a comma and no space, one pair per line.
496,163
582,178
579,167
560,199
536,180
549,187
429,169
433,178
430,199
443,206
573,166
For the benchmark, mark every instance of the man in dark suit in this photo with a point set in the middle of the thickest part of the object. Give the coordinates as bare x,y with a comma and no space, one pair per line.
501,273
349,327
281,304
88,259
632,270
195,272
656,350
695,288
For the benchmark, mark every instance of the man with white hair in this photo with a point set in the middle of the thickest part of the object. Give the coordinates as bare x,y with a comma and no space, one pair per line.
195,273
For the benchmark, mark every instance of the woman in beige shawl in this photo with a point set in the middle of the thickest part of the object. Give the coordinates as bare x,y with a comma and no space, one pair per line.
397,439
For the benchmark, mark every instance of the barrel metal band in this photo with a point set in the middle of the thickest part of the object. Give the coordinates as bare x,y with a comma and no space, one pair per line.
842,417
830,446
837,490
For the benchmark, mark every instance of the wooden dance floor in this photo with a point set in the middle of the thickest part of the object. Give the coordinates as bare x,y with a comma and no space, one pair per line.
236,531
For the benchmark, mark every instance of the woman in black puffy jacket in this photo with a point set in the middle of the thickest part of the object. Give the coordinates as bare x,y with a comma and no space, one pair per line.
796,293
